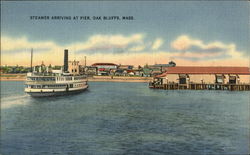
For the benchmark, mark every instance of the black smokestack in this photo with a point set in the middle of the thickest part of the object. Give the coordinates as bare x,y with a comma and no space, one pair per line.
65,69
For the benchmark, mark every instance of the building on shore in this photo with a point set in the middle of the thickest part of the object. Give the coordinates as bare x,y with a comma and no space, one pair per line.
104,68
210,75
157,69
126,67
119,72
161,67
73,67
91,70
105,65
138,71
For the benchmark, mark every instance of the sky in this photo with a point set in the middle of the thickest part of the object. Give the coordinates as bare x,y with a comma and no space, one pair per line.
191,33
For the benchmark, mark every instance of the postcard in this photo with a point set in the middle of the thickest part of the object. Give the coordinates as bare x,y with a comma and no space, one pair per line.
125,77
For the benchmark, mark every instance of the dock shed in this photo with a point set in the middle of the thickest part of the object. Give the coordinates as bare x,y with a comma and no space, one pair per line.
196,77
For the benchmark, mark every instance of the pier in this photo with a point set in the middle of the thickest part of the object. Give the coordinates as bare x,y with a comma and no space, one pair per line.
203,78
201,86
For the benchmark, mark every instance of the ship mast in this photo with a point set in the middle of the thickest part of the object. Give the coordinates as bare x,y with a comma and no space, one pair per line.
31,59
85,61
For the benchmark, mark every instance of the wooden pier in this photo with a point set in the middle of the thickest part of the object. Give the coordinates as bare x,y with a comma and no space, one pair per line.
201,86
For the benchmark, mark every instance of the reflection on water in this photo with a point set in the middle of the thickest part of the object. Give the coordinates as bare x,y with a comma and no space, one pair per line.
124,118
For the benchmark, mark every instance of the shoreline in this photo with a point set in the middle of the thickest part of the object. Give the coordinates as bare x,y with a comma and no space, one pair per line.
95,79
117,80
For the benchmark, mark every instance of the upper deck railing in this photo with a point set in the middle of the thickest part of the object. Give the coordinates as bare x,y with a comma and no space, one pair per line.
52,78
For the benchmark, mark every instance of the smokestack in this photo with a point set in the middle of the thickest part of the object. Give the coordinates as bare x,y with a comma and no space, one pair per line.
65,69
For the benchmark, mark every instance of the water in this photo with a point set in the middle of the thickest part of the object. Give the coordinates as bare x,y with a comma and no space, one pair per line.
124,118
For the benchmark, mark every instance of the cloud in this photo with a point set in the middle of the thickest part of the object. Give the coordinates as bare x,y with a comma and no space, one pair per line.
184,42
17,51
197,50
157,44
137,48
202,57
13,45
108,43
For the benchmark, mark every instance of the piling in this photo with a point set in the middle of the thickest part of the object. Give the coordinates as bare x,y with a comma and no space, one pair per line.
201,86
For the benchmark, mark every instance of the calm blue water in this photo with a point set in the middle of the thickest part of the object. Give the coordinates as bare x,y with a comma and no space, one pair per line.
124,118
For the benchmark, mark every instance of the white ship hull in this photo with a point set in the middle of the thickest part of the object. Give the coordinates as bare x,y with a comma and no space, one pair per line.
47,93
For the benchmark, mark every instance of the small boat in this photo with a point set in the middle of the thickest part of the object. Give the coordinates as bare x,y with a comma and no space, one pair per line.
49,83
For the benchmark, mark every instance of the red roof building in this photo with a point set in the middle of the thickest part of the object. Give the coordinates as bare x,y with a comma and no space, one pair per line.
104,64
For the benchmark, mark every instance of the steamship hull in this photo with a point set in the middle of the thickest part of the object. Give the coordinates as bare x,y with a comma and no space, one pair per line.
50,93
